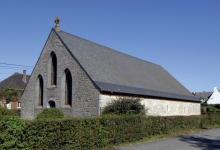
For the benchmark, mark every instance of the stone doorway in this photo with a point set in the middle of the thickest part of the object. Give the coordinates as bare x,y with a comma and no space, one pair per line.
52,104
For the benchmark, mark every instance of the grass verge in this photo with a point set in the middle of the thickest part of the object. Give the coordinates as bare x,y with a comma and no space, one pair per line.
161,137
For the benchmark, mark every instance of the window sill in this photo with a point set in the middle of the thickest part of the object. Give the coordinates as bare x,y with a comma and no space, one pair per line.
66,106
52,86
39,107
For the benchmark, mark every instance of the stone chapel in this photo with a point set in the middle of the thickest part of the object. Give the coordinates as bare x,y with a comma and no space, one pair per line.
80,77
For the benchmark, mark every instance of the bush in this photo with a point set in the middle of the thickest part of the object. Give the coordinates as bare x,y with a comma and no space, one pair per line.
3,110
51,113
217,106
124,106
204,104
12,133
203,109
9,112
211,109
14,112
94,132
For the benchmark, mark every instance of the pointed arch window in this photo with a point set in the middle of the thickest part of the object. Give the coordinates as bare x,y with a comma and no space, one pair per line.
41,86
53,69
68,88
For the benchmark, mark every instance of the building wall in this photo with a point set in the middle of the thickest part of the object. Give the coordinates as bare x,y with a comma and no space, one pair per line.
160,107
84,94
11,105
215,98
14,105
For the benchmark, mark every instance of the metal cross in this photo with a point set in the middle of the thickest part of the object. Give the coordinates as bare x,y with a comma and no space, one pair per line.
57,21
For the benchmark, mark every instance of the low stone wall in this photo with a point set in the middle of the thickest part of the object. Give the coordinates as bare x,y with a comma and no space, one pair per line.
161,107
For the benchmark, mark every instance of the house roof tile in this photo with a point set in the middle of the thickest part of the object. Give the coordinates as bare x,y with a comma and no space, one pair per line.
15,80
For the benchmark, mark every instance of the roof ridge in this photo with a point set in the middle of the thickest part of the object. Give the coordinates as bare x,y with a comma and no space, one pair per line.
203,92
20,73
9,76
109,48
14,74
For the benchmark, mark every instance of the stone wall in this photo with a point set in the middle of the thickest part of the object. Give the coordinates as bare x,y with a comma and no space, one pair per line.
84,94
160,107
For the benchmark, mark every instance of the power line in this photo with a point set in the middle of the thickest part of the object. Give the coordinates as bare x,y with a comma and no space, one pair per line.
16,65
7,73
15,68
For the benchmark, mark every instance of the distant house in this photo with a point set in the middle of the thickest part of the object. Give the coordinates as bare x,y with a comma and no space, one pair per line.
203,96
215,97
209,97
16,79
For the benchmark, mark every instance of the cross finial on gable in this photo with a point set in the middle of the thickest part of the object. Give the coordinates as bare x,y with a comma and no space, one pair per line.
57,27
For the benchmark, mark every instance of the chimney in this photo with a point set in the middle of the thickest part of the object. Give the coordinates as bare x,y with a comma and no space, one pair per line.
24,75
57,27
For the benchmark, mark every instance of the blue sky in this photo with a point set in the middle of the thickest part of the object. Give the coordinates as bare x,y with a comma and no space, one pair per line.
182,36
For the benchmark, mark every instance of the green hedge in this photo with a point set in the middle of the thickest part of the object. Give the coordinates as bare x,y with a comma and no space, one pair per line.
210,108
9,112
50,113
94,132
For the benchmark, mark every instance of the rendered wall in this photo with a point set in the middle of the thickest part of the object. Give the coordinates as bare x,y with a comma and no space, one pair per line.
159,107
84,94
215,98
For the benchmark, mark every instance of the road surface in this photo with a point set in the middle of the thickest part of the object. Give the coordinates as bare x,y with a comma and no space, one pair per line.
207,140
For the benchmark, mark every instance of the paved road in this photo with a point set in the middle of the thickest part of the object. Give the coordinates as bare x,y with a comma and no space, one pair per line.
208,140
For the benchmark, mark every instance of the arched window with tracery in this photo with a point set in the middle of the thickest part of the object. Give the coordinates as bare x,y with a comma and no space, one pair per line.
41,87
68,88
53,69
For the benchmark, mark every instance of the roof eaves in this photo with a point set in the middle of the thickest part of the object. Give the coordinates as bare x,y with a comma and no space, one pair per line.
108,87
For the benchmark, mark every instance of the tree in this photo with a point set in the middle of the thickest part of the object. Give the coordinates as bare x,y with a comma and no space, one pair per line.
10,93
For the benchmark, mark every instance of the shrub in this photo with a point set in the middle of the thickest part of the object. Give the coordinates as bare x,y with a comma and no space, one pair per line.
211,109
217,106
3,110
9,112
203,109
124,106
204,104
93,132
12,133
14,112
51,113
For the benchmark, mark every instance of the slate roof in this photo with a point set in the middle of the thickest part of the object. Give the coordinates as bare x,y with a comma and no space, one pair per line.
203,95
114,71
16,80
